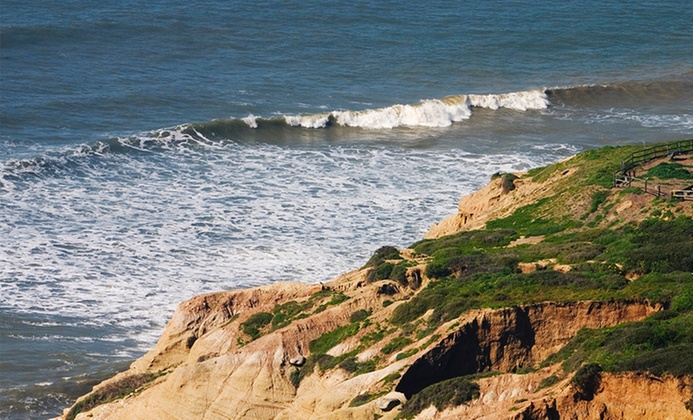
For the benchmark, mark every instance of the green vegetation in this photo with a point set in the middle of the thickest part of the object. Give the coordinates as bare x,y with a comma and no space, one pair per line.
389,379
527,220
659,344
352,365
359,315
255,322
396,344
506,181
467,242
112,392
382,254
549,381
376,335
388,271
474,276
449,393
597,166
406,354
598,198
586,381
365,398
666,170
330,339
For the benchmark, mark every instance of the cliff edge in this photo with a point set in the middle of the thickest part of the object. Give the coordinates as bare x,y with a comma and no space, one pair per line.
550,294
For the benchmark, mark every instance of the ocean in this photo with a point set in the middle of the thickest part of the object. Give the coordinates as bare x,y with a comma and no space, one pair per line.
151,151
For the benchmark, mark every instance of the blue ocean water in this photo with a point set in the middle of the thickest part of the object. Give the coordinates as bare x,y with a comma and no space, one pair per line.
152,151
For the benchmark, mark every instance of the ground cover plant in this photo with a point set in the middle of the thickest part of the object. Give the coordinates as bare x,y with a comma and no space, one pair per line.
668,170
657,345
470,272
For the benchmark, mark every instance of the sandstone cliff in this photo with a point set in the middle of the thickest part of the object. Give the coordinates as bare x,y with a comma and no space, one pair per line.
362,345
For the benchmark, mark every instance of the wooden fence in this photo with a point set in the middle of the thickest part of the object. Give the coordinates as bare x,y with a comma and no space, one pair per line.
654,152
626,176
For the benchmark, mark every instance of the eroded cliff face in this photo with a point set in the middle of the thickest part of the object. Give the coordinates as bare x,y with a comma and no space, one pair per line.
211,373
510,339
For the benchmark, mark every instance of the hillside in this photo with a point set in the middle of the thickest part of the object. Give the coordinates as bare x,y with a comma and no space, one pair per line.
550,294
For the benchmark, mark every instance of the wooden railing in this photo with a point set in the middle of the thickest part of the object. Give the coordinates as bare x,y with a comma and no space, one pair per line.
656,189
654,152
626,176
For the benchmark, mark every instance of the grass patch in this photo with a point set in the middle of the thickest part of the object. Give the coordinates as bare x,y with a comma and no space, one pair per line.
667,170
255,323
598,198
330,339
530,220
359,315
406,354
391,378
352,365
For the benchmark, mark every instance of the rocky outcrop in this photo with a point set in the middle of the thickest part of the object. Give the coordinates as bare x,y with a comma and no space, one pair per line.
509,339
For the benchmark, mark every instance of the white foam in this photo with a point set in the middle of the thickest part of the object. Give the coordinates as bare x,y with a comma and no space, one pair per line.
519,101
251,120
428,113
307,121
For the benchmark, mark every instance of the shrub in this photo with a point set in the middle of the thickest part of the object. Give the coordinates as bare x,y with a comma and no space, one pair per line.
399,274
406,354
350,364
659,344
359,315
586,381
684,301
437,270
338,298
381,272
507,182
255,322
295,377
449,393
383,253
396,344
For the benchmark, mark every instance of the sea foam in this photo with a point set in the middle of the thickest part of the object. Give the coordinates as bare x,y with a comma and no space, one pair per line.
428,113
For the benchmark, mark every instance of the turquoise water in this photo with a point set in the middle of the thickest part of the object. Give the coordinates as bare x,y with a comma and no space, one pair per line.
152,151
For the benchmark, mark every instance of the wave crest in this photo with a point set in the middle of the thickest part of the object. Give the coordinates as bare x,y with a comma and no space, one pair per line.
428,113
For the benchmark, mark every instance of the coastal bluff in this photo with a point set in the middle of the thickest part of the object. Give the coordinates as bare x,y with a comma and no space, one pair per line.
550,294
